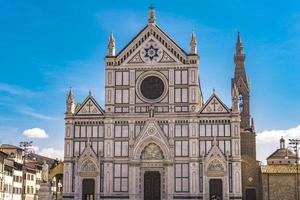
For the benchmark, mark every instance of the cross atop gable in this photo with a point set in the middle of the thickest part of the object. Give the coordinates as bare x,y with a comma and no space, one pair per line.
214,105
90,107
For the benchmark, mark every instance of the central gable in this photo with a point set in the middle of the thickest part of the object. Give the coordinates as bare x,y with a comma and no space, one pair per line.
151,45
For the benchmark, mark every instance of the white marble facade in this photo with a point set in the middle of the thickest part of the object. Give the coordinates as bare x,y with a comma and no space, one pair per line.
155,120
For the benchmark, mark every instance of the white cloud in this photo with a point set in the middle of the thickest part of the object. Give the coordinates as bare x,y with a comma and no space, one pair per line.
268,141
49,152
35,133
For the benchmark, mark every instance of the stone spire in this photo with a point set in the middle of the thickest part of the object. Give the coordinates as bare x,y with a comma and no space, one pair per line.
193,44
242,84
111,45
152,17
235,99
70,102
239,59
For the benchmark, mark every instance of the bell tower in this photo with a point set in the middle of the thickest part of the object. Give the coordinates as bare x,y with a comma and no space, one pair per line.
241,81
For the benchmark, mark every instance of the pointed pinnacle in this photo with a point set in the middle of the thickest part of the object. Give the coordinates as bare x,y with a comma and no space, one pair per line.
70,94
193,36
111,37
239,38
239,45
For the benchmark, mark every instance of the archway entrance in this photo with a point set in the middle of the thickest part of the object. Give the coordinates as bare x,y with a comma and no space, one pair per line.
88,189
152,185
215,189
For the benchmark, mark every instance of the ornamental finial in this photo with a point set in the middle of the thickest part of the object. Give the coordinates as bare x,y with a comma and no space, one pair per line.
193,43
152,18
111,45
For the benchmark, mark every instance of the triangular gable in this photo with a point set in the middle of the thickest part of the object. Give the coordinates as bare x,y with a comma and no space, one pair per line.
215,151
151,51
129,52
90,107
151,128
88,152
151,133
215,161
214,105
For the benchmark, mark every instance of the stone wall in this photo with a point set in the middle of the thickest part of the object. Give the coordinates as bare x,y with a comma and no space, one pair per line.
279,186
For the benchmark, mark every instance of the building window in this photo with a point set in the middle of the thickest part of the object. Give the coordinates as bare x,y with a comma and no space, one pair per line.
182,177
121,148
182,148
121,131
181,95
120,177
181,130
122,78
241,102
181,77
122,96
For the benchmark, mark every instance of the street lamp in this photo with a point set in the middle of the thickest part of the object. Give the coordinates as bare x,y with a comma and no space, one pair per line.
28,152
295,144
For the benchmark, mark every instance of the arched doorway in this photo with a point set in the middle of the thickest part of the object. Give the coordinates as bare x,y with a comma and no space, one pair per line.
215,189
88,189
152,185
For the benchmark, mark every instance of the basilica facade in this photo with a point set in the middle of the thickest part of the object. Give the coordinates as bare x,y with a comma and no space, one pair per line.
157,138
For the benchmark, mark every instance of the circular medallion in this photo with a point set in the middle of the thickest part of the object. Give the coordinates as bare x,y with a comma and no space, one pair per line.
151,52
152,87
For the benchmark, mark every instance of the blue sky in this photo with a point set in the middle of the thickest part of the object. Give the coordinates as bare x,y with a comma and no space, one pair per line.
48,46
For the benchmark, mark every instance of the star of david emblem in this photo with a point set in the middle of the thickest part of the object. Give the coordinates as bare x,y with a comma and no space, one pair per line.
151,52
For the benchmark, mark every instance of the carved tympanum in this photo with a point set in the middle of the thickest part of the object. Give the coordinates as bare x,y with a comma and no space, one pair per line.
88,166
215,165
152,152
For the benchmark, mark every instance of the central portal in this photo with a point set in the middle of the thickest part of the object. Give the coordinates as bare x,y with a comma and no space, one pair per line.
88,189
152,185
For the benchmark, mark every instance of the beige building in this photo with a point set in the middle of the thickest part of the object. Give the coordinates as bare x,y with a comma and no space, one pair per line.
21,181
8,179
15,153
279,180
3,156
157,138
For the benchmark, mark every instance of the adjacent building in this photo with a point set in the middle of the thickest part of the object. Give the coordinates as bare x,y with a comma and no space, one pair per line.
20,174
15,153
8,179
279,176
3,156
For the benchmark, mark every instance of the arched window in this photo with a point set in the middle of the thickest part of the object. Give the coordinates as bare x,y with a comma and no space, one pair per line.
241,102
